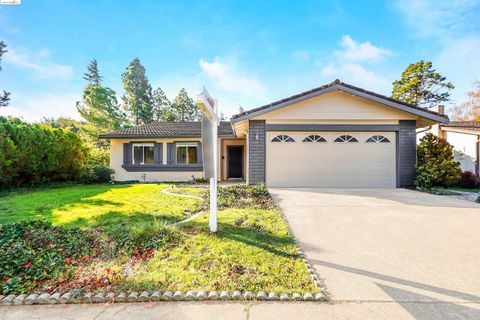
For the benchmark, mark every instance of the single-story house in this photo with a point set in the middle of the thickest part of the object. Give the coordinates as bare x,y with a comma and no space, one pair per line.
336,135
464,136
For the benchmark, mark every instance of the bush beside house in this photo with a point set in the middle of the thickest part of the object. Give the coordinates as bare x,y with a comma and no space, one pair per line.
468,180
435,164
33,154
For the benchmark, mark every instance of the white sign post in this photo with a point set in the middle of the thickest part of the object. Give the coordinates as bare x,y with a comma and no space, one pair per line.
210,122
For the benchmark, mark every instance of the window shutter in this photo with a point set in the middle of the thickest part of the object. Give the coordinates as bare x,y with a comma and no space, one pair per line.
170,153
127,153
199,153
158,153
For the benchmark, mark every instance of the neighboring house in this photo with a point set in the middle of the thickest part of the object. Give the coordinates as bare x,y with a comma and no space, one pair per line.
336,135
464,136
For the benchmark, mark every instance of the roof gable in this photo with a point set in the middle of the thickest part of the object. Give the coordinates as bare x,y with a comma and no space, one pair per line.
338,85
336,106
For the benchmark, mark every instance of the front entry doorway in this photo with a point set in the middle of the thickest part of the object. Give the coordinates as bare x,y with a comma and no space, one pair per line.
235,162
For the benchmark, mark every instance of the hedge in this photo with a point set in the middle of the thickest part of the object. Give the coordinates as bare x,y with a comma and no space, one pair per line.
32,154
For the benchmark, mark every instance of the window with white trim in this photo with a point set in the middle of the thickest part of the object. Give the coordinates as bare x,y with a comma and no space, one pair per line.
142,153
378,138
314,138
346,138
283,138
187,153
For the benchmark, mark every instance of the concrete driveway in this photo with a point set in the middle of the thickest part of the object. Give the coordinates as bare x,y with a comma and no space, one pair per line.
389,245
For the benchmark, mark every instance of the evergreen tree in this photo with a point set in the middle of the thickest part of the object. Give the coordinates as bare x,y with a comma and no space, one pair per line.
5,96
99,107
93,75
184,108
138,93
421,85
162,107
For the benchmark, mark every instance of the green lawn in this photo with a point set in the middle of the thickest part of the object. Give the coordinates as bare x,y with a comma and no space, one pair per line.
134,246
477,189
97,206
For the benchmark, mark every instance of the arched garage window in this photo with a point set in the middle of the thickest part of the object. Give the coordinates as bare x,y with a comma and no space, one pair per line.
314,138
346,138
283,138
378,138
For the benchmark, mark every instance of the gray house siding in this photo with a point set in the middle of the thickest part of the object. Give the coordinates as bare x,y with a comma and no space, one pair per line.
406,153
256,151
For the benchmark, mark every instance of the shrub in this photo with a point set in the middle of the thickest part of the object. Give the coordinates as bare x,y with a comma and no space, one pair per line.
32,154
240,196
435,164
468,180
96,174
35,253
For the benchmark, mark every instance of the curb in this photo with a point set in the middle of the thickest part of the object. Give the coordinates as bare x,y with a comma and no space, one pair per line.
72,297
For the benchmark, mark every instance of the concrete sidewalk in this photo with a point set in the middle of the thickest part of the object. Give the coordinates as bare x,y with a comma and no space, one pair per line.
245,311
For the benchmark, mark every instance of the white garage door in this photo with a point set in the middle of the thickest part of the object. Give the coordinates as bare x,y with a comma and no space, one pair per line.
330,159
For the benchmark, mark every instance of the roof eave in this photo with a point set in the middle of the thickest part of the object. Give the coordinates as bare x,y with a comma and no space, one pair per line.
159,137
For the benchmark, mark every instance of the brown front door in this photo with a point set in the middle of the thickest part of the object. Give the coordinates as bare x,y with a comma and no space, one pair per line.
235,162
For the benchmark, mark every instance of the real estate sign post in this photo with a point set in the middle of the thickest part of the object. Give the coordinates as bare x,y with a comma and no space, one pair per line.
210,122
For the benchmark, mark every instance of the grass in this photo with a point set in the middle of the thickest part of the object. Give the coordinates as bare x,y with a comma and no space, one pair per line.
475,190
140,249
97,206
252,251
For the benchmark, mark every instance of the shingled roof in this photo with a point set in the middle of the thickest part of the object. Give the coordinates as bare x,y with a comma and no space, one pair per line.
339,85
463,124
168,129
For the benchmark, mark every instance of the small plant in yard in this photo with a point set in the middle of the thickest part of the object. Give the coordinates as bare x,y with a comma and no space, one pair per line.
241,196
468,180
96,174
435,164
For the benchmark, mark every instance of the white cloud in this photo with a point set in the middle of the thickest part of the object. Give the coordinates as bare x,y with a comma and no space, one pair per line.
229,77
347,66
359,76
34,107
439,18
39,64
364,51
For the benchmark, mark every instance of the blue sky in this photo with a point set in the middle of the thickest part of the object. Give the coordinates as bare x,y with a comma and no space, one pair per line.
246,53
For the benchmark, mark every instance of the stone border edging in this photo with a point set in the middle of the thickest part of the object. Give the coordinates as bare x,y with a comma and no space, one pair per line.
147,296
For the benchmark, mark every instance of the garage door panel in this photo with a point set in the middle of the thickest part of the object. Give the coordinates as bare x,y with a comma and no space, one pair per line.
330,164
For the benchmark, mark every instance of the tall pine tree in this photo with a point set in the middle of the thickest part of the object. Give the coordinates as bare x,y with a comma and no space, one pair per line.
92,75
184,108
99,106
138,93
162,107
422,85
5,96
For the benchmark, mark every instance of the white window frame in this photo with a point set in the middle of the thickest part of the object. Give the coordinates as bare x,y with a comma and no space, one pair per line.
143,145
187,145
